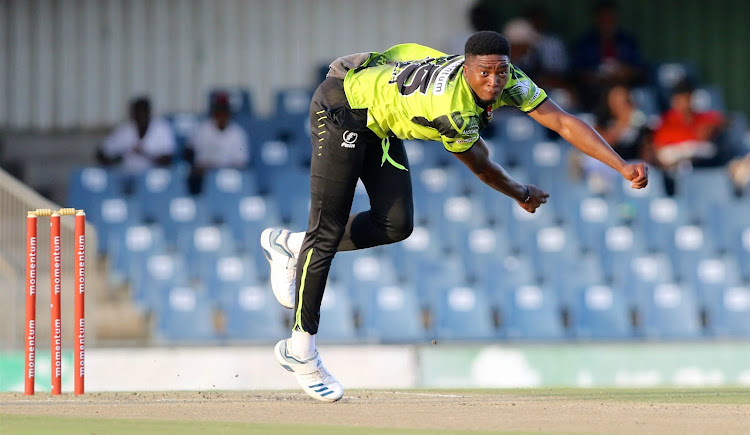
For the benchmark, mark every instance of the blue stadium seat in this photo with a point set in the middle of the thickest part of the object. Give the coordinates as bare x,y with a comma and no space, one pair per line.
458,215
290,190
601,313
522,226
155,187
639,198
126,247
711,275
250,216
509,273
336,316
482,252
153,275
690,245
659,219
498,207
726,223
113,217
589,218
89,185
431,186
702,189
533,313
362,272
670,312
186,316
463,313
554,250
669,74
292,112
393,315
253,314
618,245
517,134
222,188
408,255
742,249
202,245
729,312
645,272
183,214
582,272
229,270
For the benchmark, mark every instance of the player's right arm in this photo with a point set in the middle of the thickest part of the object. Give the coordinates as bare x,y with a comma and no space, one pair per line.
477,159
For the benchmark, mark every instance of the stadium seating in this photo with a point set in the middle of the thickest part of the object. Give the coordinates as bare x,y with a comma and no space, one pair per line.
153,275
336,316
463,313
601,312
155,187
393,315
186,315
252,313
531,313
88,186
113,216
240,100
130,245
670,311
222,188
729,312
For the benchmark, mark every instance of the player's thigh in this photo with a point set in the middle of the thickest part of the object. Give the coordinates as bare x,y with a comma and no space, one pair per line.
388,187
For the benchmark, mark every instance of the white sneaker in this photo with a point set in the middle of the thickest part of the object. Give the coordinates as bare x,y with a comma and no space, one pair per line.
311,374
283,264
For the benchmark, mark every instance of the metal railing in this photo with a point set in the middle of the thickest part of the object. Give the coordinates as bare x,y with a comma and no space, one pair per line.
15,200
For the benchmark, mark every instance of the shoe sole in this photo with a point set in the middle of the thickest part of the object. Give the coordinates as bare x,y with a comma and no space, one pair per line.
265,236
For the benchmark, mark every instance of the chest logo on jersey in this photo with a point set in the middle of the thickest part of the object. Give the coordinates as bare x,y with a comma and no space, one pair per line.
350,138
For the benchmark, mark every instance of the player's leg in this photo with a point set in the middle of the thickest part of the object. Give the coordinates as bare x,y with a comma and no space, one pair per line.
340,138
391,215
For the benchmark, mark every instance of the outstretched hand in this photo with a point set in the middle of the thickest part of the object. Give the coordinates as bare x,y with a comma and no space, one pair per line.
537,197
637,173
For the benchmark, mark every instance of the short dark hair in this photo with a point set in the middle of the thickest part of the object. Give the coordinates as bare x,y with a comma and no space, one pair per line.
486,42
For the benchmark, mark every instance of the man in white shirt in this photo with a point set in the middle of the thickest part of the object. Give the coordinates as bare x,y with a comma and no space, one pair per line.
139,143
217,143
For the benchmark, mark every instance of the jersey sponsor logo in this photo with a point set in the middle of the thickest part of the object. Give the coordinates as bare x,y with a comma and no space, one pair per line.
349,138
536,94
444,75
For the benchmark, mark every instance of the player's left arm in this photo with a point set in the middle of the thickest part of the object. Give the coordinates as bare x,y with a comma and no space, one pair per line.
586,139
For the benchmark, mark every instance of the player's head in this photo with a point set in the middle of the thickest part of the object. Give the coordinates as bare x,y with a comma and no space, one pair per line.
487,65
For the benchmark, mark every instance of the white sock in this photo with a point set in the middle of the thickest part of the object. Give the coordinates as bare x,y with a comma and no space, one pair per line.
294,242
302,344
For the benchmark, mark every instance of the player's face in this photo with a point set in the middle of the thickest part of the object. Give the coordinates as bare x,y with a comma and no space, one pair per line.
487,76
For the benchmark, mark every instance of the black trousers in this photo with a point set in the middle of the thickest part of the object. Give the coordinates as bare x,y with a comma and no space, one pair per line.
343,151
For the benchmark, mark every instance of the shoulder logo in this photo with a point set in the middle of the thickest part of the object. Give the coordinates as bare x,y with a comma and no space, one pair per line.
350,138
519,91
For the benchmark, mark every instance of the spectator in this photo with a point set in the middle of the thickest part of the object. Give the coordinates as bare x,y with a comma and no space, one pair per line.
685,135
686,138
139,143
218,142
606,55
623,126
553,55
524,38
480,18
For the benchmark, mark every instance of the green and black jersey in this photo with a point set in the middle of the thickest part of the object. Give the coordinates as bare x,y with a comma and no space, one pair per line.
415,92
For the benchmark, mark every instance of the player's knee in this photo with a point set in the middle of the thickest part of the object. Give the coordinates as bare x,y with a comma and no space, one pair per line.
401,228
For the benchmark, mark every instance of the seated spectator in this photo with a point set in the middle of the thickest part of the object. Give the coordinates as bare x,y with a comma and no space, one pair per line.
524,38
625,128
686,138
480,17
684,135
606,55
218,142
139,143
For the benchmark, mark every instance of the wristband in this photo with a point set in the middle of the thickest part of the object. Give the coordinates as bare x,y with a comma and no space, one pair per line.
528,194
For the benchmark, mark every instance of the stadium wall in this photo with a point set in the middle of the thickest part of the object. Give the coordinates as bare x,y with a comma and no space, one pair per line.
72,64
589,365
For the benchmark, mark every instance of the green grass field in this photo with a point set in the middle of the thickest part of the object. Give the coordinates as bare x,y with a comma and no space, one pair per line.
153,416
